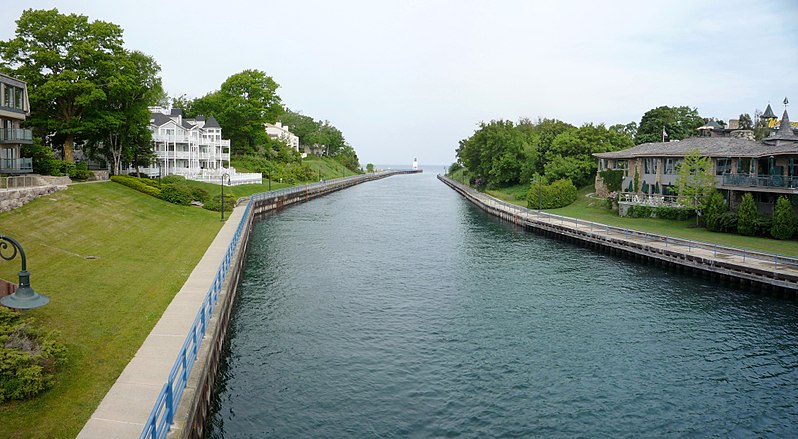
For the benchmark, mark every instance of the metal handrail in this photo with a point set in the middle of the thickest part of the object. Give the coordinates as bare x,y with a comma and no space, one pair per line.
162,414
775,258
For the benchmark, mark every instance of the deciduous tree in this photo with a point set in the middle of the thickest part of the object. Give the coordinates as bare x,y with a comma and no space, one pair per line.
695,180
64,60
678,122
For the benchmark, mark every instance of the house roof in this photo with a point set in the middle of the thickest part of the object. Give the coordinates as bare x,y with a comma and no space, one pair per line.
707,146
785,132
212,123
768,114
160,119
711,125
176,112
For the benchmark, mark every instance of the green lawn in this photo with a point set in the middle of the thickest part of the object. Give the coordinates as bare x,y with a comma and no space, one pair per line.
594,210
104,308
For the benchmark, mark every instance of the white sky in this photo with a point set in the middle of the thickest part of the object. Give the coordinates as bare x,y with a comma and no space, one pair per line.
410,79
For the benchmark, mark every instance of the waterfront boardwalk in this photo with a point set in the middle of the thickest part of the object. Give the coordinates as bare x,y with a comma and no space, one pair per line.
742,266
127,405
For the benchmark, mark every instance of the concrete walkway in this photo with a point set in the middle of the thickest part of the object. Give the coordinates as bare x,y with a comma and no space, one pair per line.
126,407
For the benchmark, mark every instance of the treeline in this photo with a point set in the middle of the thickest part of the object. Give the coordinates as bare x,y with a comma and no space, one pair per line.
502,153
85,88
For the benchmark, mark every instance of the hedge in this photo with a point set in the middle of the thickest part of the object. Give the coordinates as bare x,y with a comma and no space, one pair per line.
558,194
176,193
664,212
137,184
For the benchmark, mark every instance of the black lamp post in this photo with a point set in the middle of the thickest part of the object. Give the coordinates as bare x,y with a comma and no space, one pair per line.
270,182
540,191
24,297
228,181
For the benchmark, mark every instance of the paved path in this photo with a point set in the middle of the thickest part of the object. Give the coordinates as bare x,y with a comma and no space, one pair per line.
126,407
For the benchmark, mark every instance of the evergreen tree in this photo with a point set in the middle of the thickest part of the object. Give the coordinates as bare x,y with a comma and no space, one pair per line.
747,216
783,220
716,205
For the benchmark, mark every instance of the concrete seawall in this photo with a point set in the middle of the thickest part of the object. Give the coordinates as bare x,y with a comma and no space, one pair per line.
760,271
127,407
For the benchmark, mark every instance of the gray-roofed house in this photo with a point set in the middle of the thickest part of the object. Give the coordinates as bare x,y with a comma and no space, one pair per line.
193,148
768,169
14,108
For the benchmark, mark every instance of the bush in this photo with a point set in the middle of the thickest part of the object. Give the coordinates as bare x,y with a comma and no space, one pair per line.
783,220
747,216
44,161
726,222
176,193
640,211
199,194
558,194
716,206
674,213
28,357
215,204
138,184
762,226
170,179
612,179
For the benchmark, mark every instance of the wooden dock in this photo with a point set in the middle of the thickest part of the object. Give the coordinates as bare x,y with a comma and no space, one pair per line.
760,271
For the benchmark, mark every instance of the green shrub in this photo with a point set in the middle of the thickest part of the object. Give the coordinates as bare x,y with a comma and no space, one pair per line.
726,222
170,179
558,194
783,220
674,213
151,182
176,193
137,184
762,226
716,205
199,194
214,203
640,211
747,216
612,179
28,357
44,161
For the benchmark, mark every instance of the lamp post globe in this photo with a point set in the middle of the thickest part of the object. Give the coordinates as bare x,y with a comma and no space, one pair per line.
24,297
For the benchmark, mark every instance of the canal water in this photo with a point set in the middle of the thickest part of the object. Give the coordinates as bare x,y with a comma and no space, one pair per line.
397,309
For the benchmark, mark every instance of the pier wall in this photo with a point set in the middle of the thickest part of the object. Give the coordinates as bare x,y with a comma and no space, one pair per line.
771,273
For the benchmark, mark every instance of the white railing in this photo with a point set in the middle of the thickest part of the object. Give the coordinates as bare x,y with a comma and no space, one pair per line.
648,200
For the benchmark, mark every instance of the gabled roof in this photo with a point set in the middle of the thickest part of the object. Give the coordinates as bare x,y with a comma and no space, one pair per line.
707,146
212,123
768,114
160,119
187,125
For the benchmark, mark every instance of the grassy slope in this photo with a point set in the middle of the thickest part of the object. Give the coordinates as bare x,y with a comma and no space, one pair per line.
104,308
593,210
330,169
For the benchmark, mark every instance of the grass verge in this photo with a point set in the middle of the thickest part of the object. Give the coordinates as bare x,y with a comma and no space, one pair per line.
595,210
143,248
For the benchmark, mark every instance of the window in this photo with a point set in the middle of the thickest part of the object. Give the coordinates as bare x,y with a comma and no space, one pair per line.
743,165
9,93
17,98
672,166
620,164
650,166
722,166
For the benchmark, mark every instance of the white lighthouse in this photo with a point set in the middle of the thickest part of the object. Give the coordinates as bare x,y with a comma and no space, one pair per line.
415,164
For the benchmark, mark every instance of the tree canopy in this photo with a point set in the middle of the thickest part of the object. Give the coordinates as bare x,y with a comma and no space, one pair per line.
244,103
68,63
678,122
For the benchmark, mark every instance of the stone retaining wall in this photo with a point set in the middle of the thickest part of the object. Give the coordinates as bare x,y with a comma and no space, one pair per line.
11,199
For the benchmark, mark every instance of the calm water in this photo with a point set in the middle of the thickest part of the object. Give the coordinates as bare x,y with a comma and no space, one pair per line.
397,309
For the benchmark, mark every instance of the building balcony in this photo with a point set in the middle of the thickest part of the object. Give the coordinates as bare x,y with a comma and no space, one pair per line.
766,182
16,166
15,135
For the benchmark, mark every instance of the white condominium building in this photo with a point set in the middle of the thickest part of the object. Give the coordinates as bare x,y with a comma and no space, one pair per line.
280,132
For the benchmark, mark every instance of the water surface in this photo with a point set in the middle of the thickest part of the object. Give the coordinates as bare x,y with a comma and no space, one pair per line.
396,308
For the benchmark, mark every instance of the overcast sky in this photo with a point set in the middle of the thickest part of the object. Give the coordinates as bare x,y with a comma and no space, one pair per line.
410,79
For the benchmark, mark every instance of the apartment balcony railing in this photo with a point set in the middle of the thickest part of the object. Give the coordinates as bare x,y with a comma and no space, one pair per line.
16,166
770,181
16,135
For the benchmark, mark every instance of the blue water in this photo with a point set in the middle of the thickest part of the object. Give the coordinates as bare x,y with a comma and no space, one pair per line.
397,309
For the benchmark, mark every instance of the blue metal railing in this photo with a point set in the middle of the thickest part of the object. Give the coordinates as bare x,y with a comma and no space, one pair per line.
157,425
163,412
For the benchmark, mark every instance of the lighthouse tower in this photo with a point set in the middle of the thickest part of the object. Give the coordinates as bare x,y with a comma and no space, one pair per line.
415,164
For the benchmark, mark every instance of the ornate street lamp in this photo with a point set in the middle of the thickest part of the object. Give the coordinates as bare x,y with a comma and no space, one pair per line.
24,297
228,182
